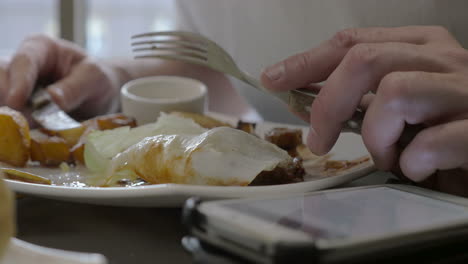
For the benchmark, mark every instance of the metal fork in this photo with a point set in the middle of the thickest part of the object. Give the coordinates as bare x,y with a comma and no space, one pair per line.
197,49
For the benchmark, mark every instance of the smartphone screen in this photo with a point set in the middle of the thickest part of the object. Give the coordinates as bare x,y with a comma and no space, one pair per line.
355,213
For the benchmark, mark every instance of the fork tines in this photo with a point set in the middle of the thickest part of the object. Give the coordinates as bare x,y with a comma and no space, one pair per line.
175,45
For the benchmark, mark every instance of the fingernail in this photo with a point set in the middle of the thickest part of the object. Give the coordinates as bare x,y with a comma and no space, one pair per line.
312,140
275,72
57,94
13,100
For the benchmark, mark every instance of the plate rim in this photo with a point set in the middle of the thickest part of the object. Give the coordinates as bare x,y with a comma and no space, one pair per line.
182,189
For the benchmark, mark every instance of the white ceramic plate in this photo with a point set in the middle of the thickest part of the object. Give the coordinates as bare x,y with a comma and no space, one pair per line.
21,252
349,147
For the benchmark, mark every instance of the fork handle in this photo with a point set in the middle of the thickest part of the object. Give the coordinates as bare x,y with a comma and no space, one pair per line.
300,100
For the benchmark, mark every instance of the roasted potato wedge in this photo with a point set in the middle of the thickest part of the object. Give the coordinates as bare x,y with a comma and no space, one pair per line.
14,137
114,121
110,121
49,150
23,176
71,136
202,120
77,151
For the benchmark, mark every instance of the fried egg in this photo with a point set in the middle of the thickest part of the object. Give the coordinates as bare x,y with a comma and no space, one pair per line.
188,154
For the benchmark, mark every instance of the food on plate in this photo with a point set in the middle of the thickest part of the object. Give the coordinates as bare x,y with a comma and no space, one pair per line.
286,138
246,126
325,165
105,122
110,121
18,144
77,152
337,165
73,135
23,176
203,120
14,137
102,146
178,150
7,228
49,150
293,172
70,135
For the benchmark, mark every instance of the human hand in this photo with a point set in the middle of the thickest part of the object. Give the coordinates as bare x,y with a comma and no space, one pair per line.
418,75
74,81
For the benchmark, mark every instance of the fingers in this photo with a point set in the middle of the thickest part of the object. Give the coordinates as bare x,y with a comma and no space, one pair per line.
3,81
86,80
408,98
360,72
38,57
32,59
318,63
23,74
439,147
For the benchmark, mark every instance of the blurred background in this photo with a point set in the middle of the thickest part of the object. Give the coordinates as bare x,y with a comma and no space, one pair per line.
102,27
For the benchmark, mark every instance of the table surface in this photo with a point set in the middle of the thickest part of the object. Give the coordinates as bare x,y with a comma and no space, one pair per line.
122,234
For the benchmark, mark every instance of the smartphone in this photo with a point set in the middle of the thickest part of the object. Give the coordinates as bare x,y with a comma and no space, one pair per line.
372,224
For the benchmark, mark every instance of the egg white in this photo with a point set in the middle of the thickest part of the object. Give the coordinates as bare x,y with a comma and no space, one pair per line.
188,155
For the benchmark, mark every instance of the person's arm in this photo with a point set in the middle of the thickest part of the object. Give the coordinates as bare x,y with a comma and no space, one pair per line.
418,75
89,86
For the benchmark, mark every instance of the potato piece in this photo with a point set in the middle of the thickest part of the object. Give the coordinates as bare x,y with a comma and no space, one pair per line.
114,121
71,136
78,152
110,121
49,151
23,176
14,137
202,120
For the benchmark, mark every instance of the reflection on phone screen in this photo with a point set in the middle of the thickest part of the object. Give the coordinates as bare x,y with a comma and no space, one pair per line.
354,213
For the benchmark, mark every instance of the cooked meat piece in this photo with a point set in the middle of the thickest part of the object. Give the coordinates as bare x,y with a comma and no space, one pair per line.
344,164
285,138
246,126
281,175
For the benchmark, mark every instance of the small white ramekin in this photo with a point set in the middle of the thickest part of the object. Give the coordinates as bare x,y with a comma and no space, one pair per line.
145,98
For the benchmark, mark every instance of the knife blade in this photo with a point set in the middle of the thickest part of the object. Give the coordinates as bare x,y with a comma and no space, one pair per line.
49,115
